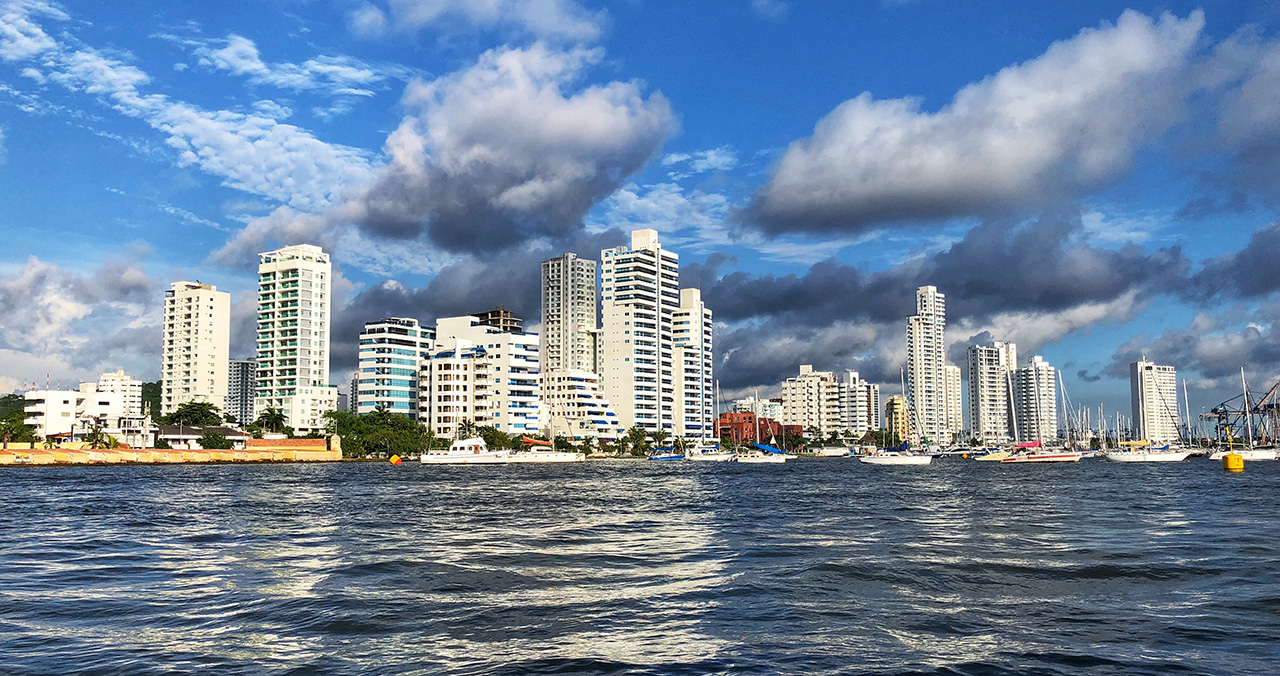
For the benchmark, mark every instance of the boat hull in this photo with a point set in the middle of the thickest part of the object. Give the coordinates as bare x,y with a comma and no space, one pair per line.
546,456
1044,457
1154,456
896,459
709,457
1248,454
761,459
491,458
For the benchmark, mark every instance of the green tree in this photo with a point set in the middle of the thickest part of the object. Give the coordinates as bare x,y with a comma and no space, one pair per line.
378,434
193,414
212,441
96,438
272,420
10,403
163,445
1095,443
230,419
151,399
13,427
660,437
638,441
467,429
496,439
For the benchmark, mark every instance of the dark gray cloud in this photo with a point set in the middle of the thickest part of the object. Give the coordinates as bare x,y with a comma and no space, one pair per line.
1250,272
836,316
491,157
474,284
1040,133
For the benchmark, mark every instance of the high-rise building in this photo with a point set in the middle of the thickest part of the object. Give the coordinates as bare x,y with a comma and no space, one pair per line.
569,314
510,402
926,366
859,404
242,386
812,400
197,339
990,392
391,354
294,321
692,331
955,411
896,419
640,292
1154,393
1036,400
128,387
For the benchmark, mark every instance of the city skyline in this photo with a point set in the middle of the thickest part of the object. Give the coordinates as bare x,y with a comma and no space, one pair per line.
1096,226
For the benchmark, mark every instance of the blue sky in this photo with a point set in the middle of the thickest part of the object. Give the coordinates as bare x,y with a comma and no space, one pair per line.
1093,180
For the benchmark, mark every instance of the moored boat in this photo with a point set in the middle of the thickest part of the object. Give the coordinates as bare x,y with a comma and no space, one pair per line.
1249,454
1044,456
547,455
473,451
896,458
1139,453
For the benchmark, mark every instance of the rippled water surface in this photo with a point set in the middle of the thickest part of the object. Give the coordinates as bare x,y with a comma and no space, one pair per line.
814,567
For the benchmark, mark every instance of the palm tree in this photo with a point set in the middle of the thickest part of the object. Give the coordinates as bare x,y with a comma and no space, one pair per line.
467,429
659,437
272,420
97,439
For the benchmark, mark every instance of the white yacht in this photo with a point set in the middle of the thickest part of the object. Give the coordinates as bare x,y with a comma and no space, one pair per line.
547,455
706,452
1158,454
1247,453
760,458
896,458
471,451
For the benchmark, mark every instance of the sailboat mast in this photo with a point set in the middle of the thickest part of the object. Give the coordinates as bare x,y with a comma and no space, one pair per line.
1248,413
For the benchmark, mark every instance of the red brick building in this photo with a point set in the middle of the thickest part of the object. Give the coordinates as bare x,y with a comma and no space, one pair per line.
741,427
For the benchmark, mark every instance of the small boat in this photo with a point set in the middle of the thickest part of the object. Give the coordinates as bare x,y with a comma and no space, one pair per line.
666,454
547,455
763,454
705,452
1045,456
896,458
1143,452
1249,454
473,451
831,451
993,455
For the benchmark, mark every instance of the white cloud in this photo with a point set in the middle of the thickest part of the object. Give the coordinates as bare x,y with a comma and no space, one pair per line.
558,20
495,155
723,158
1058,125
2,155
250,151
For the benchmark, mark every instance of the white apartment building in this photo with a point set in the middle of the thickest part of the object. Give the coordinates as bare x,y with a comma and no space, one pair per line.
511,402
569,314
812,399
455,384
197,339
574,406
391,353
762,408
53,411
926,367
294,320
242,385
1154,394
1035,390
640,293
859,404
129,389
990,371
955,409
692,332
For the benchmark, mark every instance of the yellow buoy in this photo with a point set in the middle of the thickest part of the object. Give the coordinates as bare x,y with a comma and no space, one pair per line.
1233,462
395,460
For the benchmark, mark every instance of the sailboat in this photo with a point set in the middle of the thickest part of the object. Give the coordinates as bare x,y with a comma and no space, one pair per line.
1248,453
1143,451
899,455
763,454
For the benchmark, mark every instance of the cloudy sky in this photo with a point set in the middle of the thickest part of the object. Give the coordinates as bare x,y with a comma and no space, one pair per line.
1092,180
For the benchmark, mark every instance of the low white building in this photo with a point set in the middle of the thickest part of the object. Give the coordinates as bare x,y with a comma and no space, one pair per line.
53,412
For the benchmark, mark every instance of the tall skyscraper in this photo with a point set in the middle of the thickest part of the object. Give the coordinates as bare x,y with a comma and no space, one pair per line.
294,301
955,411
692,331
242,384
926,366
569,314
391,353
1035,389
640,292
197,339
990,371
1154,393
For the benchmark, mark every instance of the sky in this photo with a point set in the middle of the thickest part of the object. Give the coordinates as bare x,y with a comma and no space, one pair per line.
1093,180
